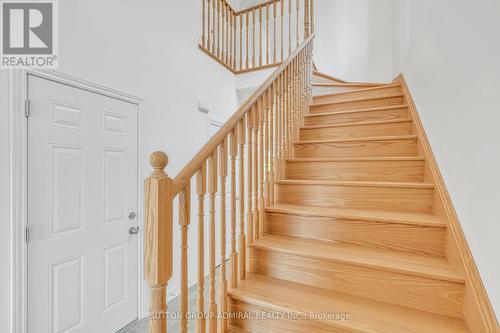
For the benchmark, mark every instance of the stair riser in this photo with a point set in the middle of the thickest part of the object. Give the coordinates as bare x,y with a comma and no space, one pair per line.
394,236
435,296
273,326
364,104
357,197
397,171
356,95
358,117
372,148
358,131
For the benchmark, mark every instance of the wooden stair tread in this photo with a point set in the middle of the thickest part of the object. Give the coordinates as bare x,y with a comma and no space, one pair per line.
332,113
360,90
357,99
388,260
354,183
369,138
355,159
360,214
347,85
364,315
392,121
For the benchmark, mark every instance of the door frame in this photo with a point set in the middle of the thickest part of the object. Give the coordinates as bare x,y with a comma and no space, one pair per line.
18,93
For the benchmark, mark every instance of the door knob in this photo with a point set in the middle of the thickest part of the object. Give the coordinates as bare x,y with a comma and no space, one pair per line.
133,230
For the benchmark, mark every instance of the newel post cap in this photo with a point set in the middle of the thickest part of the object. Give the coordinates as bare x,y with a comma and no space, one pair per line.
158,161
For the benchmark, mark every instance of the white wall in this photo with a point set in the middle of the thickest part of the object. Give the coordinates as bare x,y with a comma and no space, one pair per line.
5,239
147,48
247,83
354,39
449,53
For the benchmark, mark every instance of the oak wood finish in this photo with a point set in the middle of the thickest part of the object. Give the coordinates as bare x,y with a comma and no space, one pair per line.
396,112
307,19
201,190
242,236
282,325
343,207
478,311
358,103
345,96
212,190
222,21
233,152
357,130
409,197
400,217
350,86
240,41
290,26
250,155
297,9
405,237
312,21
253,14
262,293
160,190
331,88
190,169
255,169
282,30
184,220
383,146
203,24
400,169
262,168
247,57
223,286
158,250
418,282
326,78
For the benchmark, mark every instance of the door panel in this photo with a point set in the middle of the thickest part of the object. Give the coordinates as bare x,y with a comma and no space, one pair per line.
82,185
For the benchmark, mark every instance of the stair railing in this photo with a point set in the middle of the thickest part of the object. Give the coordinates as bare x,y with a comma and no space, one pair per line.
261,132
254,38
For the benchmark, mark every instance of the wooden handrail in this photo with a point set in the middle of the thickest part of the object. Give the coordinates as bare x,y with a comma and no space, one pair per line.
266,125
192,167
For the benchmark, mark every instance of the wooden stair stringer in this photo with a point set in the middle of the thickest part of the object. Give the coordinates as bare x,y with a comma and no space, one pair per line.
328,77
334,79
477,309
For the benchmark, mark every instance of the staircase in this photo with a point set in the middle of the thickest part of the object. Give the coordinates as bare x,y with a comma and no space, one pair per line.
339,219
353,233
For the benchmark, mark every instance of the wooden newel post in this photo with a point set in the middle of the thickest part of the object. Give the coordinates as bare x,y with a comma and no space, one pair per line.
158,197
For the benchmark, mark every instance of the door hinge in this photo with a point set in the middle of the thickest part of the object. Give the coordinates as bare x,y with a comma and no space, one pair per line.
27,108
27,234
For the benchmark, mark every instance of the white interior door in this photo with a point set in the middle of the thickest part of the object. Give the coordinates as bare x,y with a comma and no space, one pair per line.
82,197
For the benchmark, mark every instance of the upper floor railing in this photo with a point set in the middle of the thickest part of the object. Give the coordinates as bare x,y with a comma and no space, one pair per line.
254,38
247,156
